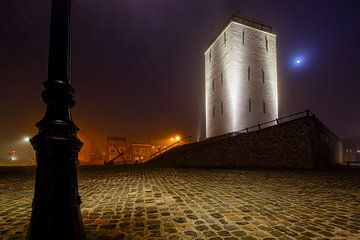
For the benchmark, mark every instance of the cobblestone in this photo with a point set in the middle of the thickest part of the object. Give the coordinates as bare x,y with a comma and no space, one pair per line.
140,203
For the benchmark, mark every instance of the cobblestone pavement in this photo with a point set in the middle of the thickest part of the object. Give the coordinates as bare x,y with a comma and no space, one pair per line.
140,203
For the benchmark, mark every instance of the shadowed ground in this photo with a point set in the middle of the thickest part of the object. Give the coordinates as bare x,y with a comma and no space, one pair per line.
141,203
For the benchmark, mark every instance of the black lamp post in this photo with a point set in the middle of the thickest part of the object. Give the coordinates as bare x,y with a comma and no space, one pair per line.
56,204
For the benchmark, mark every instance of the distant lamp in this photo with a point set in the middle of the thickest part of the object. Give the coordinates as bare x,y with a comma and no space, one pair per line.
27,140
12,155
177,138
172,139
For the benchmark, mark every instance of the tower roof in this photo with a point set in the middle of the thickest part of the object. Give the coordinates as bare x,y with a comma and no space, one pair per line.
250,22
247,21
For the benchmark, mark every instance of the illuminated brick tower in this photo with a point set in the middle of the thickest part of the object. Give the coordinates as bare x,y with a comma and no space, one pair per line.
240,77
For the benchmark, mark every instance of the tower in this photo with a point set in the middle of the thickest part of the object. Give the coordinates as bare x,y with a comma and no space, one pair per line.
240,77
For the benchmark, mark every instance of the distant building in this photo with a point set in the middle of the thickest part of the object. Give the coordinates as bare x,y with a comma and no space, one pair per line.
352,149
141,152
115,144
134,153
89,153
240,77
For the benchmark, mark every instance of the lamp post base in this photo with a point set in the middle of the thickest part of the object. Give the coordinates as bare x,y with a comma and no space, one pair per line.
56,205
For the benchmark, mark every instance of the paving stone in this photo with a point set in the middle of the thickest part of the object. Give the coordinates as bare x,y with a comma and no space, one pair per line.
223,221
230,227
109,226
239,233
309,234
326,234
153,227
191,233
248,238
180,220
202,228
193,217
303,238
155,234
231,238
215,227
242,223
247,218
223,233
298,229
170,230
215,238
217,215
209,234
281,228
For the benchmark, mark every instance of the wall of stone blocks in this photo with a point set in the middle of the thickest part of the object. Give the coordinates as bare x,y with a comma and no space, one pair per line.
240,65
303,143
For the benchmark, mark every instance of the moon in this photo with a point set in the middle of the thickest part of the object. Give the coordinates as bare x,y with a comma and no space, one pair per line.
298,61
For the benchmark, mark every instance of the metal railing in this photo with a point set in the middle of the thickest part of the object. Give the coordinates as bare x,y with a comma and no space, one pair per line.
259,126
185,140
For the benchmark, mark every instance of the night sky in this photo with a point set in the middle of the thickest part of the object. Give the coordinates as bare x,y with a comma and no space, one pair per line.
138,65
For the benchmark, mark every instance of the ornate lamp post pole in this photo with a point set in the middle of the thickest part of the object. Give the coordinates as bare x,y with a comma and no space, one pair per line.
56,204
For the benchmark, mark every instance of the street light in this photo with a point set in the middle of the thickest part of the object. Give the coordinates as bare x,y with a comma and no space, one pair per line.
12,155
56,204
27,140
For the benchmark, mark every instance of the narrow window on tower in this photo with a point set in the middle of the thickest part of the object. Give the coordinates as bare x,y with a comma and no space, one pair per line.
264,107
213,111
263,75
210,56
266,44
243,37
224,38
213,84
222,77
248,73
249,104
222,108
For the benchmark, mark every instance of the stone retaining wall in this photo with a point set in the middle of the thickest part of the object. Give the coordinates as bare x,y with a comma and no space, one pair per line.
301,143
